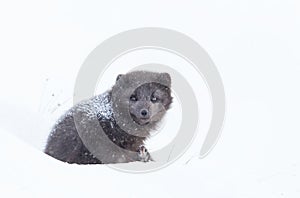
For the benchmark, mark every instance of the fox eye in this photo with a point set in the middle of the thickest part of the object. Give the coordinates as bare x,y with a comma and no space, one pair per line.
133,98
153,99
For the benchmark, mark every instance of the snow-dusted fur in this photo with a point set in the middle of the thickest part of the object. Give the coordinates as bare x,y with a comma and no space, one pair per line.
65,144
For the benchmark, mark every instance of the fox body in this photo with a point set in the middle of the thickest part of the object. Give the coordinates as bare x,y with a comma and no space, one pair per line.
147,105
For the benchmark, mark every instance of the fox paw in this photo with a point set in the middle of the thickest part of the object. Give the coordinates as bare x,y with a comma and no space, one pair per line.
143,154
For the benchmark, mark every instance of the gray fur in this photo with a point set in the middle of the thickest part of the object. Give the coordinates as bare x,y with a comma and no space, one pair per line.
65,144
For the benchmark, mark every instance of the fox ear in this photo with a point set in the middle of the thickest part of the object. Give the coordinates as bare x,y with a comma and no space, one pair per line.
119,76
166,78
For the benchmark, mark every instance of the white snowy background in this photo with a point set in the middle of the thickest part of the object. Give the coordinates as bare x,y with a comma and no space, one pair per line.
255,44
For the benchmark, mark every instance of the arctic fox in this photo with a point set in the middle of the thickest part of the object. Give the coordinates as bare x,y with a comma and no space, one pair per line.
147,105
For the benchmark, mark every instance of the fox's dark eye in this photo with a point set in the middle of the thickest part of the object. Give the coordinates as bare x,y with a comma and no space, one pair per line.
153,99
133,98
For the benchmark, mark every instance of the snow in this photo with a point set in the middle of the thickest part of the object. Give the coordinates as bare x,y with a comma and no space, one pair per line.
255,46
99,105
27,172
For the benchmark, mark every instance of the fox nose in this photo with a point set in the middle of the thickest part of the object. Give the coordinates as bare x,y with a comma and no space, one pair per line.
144,113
